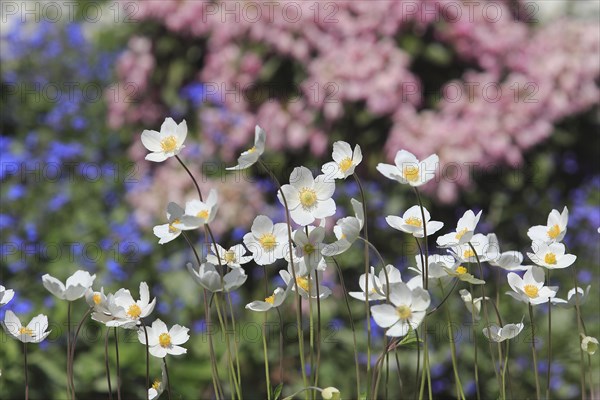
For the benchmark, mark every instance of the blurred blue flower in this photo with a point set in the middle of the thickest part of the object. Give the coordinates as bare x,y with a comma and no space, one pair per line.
15,192
195,92
58,201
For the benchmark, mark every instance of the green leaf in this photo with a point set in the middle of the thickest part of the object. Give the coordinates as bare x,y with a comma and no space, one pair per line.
277,391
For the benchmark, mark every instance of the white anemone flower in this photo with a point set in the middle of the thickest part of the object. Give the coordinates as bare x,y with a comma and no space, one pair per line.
198,213
305,282
96,300
377,284
107,311
344,161
472,304
308,198
209,278
589,344
407,310
34,332
172,230
132,310
166,143
409,170
437,265
163,341
251,156
554,230
481,248
309,246
551,256
159,385
574,296
273,301
465,228
233,257
6,295
74,288
331,393
508,260
462,274
530,289
346,230
266,241
499,334
412,223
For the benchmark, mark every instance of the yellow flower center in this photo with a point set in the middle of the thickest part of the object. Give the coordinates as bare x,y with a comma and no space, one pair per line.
345,164
172,229
202,214
461,270
469,253
169,143
554,231
156,384
229,256
252,149
97,298
134,311
308,248
550,258
308,197
270,299
164,340
302,282
531,291
268,241
25,331
411,173
461,233
413,221
404,312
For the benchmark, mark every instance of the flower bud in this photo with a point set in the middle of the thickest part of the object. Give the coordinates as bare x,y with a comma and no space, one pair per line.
589,344
330,393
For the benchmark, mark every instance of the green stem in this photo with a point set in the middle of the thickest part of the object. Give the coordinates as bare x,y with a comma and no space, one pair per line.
266,357
26,372
191,176
475,365
224,329
69,378
235,346
147,356
459,390
504,371
110,395
535,366
318,338
549,339
168,377
118,364
73,345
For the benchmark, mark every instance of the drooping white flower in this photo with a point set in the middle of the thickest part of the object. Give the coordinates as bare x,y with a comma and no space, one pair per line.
266,241
274,300
412,223
6,295
344,161
372,295
308,198
209,278
309,246
589,344
166,143
499,334
170,231
437,266
330,393
233,257
159,385
34,332
481,248
409,170
465,228
198,213
551,256
530,289
574,296
346,230
251,156
163,341
129,312
377,284
508,260
554,230
96,300
407,310
472,304
305,282
74,288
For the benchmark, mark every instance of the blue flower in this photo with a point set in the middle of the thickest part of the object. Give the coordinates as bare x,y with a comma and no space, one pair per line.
16,192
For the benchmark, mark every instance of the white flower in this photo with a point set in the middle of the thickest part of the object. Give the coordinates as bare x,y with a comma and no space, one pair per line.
158,386
465,228
170,231
6,295
407,310
96,300
530,289
330,393
589,344
274,300
411,222
233,257
308,198
131,311
198,213
209,278
437,266
575,295
251,156
34,332
346,231
166,143
305,284
497,334
163,341
472,304
509,260
484,250
309,246
553,231
462,274
266,241
377,285
551,256
409,169
344,161
73,289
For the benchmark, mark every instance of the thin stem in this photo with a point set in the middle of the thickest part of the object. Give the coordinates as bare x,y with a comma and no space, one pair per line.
318,330
549,338
26,372
110,395
69,378
418,370
118,365
377,253
168,377
504,370
426,265
229,360
280,346
266,357
445,298
147,356
535,366
475,365
73,345
235,346
191,176
459,389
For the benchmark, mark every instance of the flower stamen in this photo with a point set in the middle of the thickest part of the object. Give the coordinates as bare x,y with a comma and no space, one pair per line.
268,241
164,340
169,143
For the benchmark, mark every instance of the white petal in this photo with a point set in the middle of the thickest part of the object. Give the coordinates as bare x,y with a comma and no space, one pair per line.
261,225
181,132
179,334
157,157
324,209
301,177
399,329
384,315
54,286
151,140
